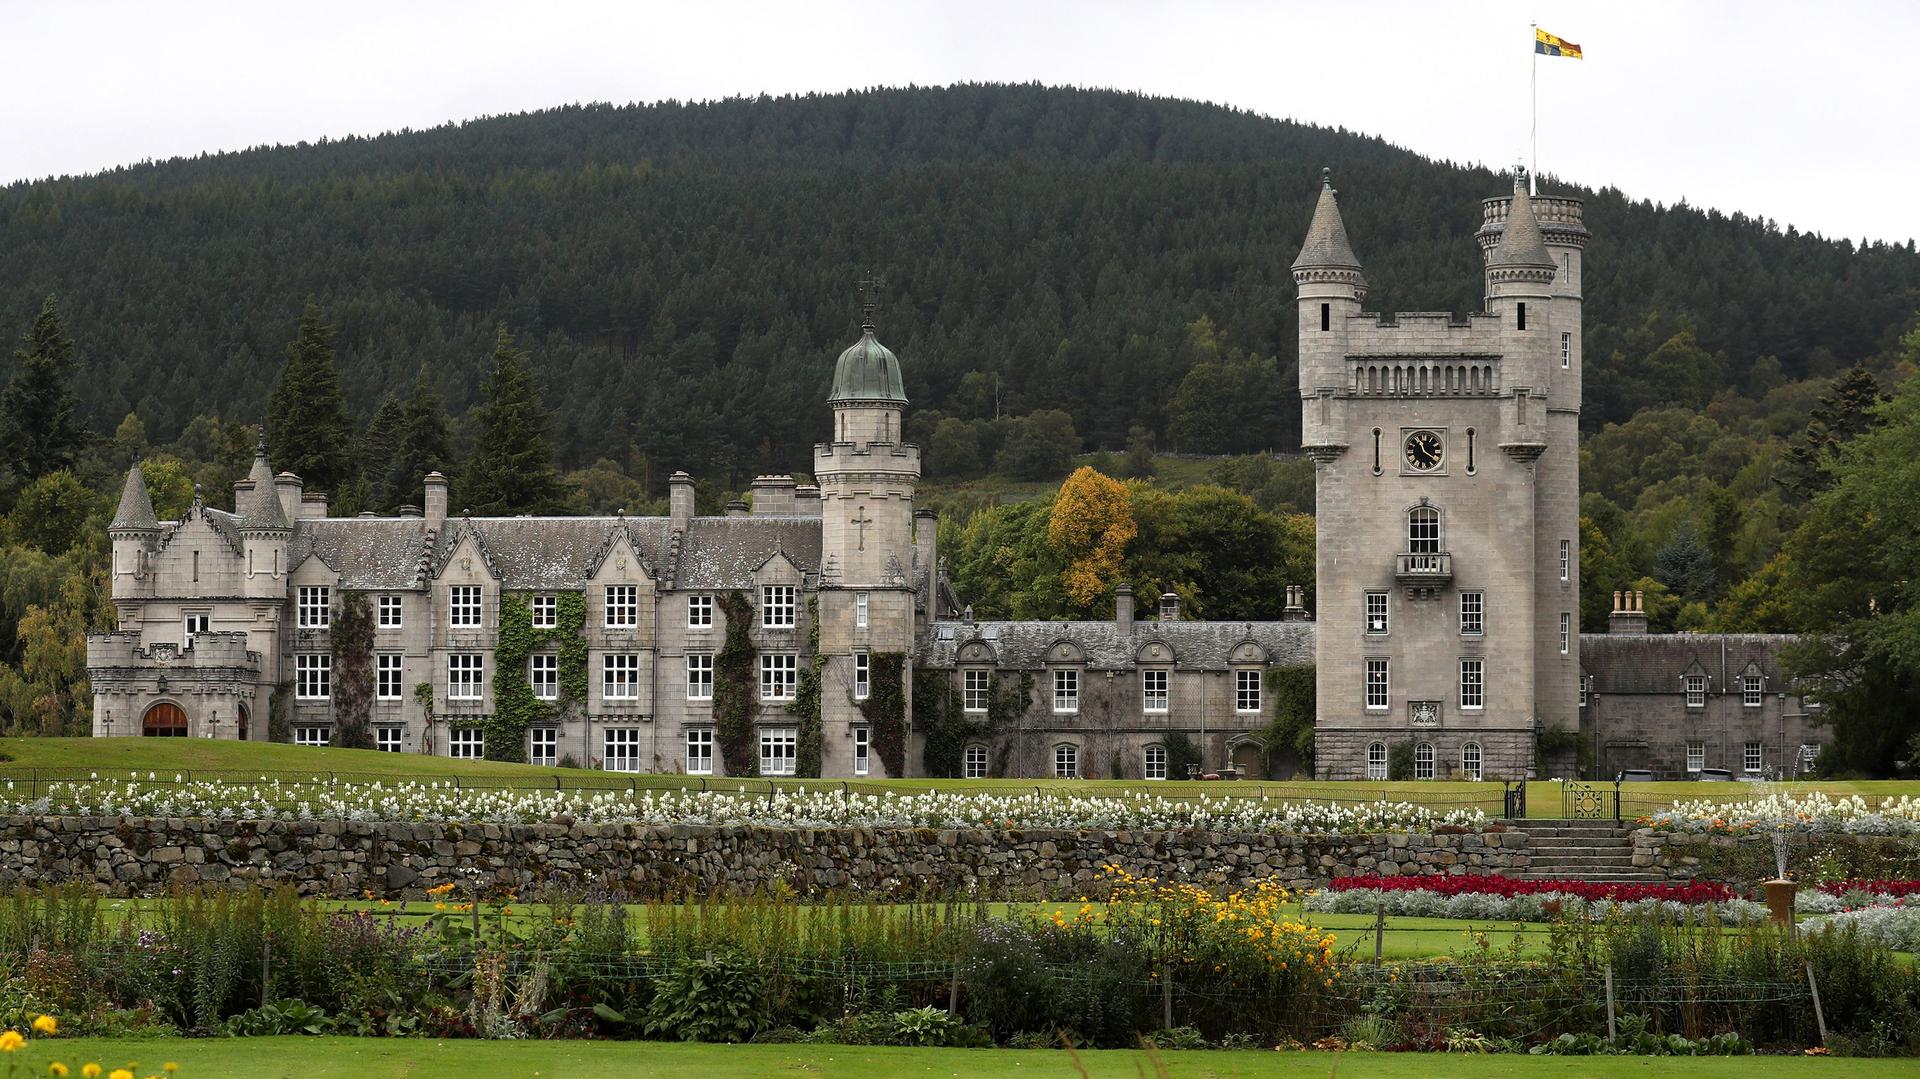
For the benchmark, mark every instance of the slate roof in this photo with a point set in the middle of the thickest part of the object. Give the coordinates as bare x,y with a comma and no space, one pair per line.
1326,244
1520,241
532,553
1656,662
259,506
1195,645
136,507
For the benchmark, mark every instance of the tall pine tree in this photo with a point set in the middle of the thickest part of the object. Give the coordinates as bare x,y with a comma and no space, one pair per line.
1845,412
423,444
512,468
307,429
38,426
379,444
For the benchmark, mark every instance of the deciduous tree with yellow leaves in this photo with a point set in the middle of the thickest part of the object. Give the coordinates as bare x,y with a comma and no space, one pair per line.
1091,525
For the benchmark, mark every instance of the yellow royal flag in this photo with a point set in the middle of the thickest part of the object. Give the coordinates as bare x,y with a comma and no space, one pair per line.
1547,45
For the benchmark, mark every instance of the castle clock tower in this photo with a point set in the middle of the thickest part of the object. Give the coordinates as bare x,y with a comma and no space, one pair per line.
1446,454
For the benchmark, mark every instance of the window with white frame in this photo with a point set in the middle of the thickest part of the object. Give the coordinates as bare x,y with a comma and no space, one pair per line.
312,676
1566,631
699,612
315,606
1423,761
1750,690
1473,684
389,670
1423,530
1566,560
1066,762
389,739
620,676
779,676
312,736
543,674
777,606
1809,752
1066,690
1376,613
974,688
1376,697
699,676
1473,613
1376,760
466,743
464,673
623,606
1153,691
1246,691
1586,683
1471,760
1753,758
974,764
390,608
192,624
620,749
543,746
545,610
1154,763
1566,351
862,676
779,750
700,751
1696,691
862,751
463,606
1696,756
860,604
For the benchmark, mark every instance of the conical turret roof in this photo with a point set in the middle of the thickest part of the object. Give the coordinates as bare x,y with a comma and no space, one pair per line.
259,507
1326,245
1521,244
136,506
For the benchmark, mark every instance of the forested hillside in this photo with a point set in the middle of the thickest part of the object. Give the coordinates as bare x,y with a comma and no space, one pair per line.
683,275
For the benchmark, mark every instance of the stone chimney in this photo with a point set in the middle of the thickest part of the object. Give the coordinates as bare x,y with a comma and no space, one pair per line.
1296,608
926,530
1629,613
737,508
436,486
287,486
1123,607
409,511
313,505
1169,607
772,496
806,500
680,500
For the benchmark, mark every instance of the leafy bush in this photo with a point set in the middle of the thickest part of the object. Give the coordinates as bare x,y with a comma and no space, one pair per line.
711,999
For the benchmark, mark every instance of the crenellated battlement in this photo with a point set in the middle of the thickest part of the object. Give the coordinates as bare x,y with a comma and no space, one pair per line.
213,650
867,456
1561,218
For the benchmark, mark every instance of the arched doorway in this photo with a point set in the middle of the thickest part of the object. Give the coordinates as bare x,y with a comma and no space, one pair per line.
243,722
164,720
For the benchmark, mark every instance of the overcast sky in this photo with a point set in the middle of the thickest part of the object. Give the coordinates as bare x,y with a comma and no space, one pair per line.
1804,113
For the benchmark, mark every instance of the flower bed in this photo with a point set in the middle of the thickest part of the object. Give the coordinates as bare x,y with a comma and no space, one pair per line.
1814,812
1508,887
800,808
1898,889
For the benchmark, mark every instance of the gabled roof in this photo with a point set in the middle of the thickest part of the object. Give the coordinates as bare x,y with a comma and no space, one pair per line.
1656,662
724,552
368,554
1192,645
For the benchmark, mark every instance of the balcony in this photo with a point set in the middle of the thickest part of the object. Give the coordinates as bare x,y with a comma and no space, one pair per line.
1425,570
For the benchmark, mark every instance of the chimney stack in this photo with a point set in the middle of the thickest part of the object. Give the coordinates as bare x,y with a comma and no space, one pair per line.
737,508
1169,607
287,486
680,500
1629,613
926,530
436,488
1296,609
313,505
806,500
773,496
1123,607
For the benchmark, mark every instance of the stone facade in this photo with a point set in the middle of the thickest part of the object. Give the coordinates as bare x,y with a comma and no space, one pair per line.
400,860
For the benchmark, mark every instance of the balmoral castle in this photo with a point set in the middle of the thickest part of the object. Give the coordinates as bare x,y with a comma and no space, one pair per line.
1447,591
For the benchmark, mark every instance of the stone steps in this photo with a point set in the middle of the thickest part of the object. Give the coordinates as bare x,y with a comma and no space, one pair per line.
1585,850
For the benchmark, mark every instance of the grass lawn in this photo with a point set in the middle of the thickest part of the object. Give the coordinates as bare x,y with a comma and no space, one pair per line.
385,1058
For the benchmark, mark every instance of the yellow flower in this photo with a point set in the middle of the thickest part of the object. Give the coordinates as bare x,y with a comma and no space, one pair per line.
46,1024
57,1070
119,1073
11,1041
91,1071
170,1067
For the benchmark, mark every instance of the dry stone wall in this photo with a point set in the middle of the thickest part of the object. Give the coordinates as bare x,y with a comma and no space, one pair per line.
123,856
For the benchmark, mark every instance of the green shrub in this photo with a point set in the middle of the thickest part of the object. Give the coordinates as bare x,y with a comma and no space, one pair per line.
716,998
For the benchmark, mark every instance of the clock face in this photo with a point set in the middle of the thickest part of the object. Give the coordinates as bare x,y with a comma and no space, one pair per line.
1424,451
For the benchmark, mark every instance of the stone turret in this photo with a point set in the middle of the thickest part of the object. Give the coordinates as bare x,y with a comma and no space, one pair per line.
134,531
1331,289
264,529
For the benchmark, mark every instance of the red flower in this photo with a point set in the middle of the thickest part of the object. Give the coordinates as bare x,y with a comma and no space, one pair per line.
1896,888
1508,887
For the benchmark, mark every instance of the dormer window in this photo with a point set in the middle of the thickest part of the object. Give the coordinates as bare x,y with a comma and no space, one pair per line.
1696,691
315,606
463,606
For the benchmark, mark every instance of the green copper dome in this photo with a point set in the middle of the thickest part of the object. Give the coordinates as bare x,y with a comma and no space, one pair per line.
867,372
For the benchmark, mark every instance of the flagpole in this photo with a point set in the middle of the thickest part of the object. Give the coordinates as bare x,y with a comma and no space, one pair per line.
1533,98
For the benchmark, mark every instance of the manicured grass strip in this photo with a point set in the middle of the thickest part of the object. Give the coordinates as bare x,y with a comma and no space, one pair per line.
410,1058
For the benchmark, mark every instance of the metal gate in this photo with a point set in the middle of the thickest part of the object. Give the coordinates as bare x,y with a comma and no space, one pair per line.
1515,799
1590,801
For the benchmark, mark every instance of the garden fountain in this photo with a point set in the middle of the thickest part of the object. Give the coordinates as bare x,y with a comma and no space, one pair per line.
1779,890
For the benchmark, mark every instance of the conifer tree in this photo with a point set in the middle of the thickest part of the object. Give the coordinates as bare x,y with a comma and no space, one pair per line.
1845,412
379,445
512,469
307,429
423,444
39,428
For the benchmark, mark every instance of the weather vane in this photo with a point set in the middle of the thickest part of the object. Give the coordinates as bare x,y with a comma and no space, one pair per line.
869,286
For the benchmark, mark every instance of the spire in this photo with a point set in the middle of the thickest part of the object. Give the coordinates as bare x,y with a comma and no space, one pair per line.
868,286
136,507
1326,246
259,507
1521,245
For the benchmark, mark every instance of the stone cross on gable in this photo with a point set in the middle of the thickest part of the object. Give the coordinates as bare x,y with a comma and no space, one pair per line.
861,522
